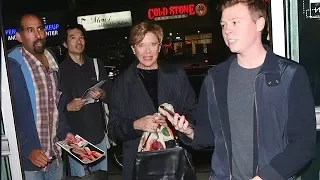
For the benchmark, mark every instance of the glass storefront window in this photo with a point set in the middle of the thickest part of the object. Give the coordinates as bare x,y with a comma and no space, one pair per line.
2,128
5,168
9,147
302,37
309,38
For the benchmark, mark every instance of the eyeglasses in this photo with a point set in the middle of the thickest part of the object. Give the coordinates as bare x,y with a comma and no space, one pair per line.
143,46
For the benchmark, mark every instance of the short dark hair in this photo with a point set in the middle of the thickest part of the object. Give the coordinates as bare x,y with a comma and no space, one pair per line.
257,8
19,20
69,27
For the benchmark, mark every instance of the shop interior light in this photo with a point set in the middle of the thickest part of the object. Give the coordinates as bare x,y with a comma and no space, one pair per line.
44,20
167,45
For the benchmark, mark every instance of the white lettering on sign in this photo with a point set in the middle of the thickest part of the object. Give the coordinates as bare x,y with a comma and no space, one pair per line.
314,1
316,10
52,33
51,30
170,17
10,38
105,21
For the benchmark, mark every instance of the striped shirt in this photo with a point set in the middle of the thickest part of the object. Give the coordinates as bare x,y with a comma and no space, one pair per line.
47,97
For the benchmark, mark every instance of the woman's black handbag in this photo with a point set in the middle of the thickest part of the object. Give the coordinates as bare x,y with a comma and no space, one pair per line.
166,164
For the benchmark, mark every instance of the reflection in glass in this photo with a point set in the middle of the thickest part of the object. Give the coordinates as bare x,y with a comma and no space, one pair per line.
5,168
309,38
2,128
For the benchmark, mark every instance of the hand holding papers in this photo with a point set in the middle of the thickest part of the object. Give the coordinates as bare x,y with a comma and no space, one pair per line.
86,94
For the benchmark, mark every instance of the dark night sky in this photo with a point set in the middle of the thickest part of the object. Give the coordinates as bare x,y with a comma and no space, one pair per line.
36,6
21,6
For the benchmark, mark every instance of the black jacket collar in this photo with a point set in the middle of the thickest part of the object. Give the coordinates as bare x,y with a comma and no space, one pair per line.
270,67
270,64
86,59
134,83
132,73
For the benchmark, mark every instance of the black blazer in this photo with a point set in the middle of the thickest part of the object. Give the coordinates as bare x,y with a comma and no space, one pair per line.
131,101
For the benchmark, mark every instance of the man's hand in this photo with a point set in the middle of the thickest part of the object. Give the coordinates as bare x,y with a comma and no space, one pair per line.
179,123
76,104
97,93
256,178
38,158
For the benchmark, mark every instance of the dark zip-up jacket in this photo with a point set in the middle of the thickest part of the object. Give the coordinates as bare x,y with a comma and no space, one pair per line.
88,122
284,119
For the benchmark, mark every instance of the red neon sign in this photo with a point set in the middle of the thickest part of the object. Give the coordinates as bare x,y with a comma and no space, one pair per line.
171,11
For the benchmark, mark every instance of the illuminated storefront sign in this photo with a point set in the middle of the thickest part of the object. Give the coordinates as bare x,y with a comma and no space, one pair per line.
105,21
177,11
51,30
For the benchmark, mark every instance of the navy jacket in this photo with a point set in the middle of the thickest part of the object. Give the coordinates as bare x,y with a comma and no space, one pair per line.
23,103
89,121
284,119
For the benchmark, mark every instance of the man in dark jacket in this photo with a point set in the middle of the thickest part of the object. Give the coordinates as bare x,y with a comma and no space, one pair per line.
256,108
37,102
77,75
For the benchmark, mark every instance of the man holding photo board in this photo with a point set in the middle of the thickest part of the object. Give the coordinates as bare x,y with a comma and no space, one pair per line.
77,75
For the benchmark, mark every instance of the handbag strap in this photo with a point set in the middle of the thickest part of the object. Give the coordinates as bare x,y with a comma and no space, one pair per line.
145,143
96,67
105,106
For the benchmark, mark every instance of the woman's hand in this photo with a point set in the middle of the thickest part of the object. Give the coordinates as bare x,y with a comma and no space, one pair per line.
146,124
180,123
162,120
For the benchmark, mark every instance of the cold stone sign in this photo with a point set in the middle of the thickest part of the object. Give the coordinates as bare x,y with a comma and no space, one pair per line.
177,11
51,30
